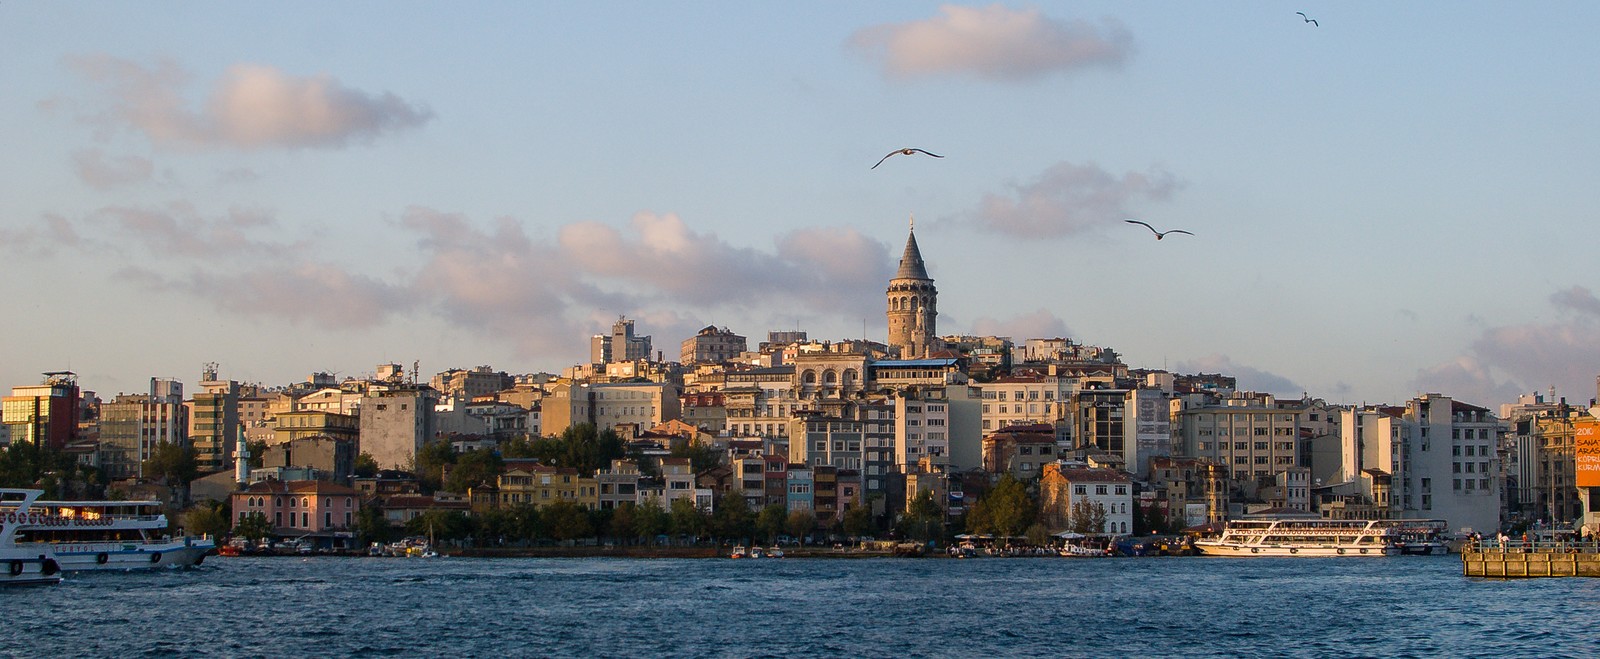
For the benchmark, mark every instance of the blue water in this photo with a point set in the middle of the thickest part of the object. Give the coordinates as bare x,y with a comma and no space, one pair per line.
1401,606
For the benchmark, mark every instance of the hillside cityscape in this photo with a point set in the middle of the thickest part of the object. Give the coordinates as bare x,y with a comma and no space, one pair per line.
919,436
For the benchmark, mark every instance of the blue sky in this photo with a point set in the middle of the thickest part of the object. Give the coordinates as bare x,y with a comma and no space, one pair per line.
1397,200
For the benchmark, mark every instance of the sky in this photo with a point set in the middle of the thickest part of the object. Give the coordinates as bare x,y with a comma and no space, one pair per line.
1397,199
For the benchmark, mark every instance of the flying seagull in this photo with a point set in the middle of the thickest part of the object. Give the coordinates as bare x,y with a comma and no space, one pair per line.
904,152
1309,19
1159,234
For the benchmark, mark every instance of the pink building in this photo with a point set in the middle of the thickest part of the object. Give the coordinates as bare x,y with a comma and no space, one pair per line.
318,510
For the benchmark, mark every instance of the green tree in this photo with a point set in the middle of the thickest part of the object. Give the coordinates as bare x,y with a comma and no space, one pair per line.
567,520
258,453
253,526
732,519
1087,517
372,526
701,457
771,520
581,447
1038,535
923,519
527,523
800,523
473,469
366,466
430,463
858,521
623,522
1010,508
517,448
650,520
687,519
440,525
209,518
172,462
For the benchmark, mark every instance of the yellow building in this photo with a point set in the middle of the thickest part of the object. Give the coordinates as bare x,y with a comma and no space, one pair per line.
539,485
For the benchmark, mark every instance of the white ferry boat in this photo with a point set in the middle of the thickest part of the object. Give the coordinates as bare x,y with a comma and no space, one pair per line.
1301,537
105,535
20,565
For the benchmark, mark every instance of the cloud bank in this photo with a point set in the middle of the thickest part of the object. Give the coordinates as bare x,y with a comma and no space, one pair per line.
494,280
992,43
251,106
1068,199
1038,324
1510,360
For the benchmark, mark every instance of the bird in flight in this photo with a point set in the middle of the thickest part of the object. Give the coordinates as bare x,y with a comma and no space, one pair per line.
1309,19
1159,234
904,152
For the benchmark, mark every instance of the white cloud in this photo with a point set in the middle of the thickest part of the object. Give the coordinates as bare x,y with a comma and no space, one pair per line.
1040,324
1249,378
993,42
1509,360
251,106
102,173
1068,199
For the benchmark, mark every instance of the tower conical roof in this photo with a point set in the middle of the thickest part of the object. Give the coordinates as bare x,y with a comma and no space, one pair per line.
911,266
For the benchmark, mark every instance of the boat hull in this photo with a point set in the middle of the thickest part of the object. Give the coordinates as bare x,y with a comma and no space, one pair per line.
123,556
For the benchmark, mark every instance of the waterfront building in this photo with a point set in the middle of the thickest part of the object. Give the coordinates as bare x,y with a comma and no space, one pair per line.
801,491
1027,398
541,485
1066,491
321,457
308,509
759,402
1401,458
1254,435
817,440
913,306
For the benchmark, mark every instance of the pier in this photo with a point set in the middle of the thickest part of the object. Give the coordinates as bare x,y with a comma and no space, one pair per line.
1517,560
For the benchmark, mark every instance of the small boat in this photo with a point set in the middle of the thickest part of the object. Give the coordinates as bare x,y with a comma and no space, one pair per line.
739,552
23,565
774,552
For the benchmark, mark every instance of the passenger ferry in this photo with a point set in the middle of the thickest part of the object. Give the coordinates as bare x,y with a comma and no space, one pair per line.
104,535
1421,537
1302,537
21,565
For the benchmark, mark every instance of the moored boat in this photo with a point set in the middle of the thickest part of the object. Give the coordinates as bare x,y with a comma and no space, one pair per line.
105,535
23,565
1301,537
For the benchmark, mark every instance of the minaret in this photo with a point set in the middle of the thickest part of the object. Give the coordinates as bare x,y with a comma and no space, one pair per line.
241,461
913,303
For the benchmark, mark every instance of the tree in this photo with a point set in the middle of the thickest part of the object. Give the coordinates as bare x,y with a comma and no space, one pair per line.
623,521
1087,517
258,453
650,520
732,519
687,518
1010,508
771,520
923,519
567,520
858,521
701,457
440,525
581,447
472,469
253,526
1038,535
372,526
800,523
209,518
172,462
366,466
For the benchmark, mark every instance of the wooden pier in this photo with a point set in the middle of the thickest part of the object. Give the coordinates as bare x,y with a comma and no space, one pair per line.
1539,559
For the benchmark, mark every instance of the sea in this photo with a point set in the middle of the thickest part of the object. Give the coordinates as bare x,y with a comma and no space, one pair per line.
789,607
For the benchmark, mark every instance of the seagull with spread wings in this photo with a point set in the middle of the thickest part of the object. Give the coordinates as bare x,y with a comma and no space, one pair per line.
1309,19
904,152
1159,234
